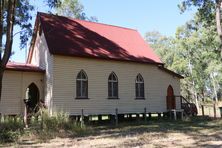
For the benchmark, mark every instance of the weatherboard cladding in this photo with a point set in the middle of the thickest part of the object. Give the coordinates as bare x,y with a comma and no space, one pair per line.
66,69
14,86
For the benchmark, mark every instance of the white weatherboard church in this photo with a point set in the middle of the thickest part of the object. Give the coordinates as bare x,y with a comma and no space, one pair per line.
74,65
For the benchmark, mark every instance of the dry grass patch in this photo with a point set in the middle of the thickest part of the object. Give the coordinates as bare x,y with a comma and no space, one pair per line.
195,132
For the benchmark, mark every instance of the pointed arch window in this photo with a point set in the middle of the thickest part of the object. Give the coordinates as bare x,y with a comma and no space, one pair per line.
82,85
139,87
113,86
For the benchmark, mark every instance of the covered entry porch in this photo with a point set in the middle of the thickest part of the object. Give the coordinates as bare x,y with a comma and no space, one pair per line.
21,82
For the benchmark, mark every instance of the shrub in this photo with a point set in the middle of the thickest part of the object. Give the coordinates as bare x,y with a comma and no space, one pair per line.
43,126
11,129
55,122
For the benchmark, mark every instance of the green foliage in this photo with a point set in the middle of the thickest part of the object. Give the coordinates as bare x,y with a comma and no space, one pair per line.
11,129
22,20
53,3
205,10
22,17
192,53
72,8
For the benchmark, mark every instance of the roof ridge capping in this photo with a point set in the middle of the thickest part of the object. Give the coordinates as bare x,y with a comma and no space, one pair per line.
87,21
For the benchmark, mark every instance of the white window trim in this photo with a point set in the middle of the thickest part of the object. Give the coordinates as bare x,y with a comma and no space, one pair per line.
112,81
81,79
138,77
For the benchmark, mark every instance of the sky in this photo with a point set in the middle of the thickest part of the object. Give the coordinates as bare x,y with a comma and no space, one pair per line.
143,15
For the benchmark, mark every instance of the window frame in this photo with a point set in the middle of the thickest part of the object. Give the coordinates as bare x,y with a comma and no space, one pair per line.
138,82
112,81
82,80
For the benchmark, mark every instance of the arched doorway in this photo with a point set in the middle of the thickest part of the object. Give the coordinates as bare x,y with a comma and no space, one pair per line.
171,103
32,98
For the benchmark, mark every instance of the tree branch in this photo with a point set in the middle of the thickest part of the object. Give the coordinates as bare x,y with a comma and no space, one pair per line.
18,32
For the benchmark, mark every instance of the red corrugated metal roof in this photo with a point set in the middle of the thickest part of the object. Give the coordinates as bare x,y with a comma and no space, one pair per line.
72,37
23,67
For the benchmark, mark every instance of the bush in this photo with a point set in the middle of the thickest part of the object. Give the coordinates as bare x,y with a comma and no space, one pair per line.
55,122
11,129
43,126
9,136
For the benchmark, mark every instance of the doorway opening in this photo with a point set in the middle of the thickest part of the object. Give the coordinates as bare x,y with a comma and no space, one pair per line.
32,98
171,102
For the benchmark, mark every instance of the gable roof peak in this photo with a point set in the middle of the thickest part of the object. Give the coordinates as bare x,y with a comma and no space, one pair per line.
74,37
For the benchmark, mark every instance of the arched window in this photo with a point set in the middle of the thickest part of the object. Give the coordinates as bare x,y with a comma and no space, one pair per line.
139,87
81,85
112,86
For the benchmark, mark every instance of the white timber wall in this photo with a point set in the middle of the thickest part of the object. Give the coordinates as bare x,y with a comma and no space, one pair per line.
14,88
66,69
42,58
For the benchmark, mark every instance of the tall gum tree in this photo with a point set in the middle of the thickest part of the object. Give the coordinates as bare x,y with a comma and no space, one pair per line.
7,16
209,12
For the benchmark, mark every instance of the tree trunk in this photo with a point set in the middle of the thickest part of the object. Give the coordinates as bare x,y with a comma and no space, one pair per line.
194,89
218,22
1,25
214,87
9,38
1,77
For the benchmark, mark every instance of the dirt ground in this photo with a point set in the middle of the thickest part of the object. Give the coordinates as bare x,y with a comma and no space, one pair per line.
152,134
149,139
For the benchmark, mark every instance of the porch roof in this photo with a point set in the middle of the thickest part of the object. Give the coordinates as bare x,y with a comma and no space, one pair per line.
23,67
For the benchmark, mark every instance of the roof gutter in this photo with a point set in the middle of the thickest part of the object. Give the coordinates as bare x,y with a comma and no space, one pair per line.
161,67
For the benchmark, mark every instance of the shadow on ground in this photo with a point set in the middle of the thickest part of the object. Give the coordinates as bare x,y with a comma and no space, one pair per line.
203,132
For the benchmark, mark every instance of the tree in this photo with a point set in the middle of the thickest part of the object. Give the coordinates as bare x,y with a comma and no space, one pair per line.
208,12
162,45
15,13
12,13
191,53
72,8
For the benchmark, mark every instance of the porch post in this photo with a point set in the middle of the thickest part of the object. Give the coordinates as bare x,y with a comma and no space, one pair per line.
175,114
82,119
145,114
2,118
202,107
25,114
215,112
116,116
181,115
